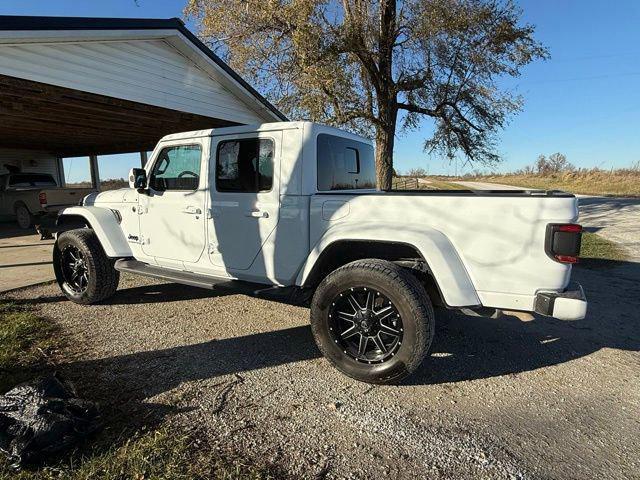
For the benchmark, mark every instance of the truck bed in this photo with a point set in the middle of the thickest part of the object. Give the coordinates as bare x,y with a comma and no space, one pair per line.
498,235
459,193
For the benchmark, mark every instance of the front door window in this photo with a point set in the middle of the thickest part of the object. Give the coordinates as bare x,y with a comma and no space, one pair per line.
177,168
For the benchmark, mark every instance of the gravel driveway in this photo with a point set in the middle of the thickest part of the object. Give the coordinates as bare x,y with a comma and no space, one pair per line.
498,398
617,219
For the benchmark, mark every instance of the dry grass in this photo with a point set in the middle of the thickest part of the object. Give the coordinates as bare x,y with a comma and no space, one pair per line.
113,184
436,183
163,454
623,182
424,183
25,343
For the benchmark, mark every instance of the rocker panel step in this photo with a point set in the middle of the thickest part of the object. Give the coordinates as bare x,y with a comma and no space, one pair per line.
187,278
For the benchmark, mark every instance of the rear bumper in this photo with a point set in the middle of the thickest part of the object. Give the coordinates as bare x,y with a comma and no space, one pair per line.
568,305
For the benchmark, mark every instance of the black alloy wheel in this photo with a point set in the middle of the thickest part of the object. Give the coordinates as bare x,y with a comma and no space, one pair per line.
373,320
84,272
366,325
74,269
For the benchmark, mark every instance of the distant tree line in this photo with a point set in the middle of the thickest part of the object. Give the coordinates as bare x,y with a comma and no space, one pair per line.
554,163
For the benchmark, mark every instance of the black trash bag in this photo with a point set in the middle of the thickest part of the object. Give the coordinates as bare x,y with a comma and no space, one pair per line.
43,417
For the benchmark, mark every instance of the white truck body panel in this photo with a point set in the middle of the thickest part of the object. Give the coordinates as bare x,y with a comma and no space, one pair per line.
482,249
488,248
104,222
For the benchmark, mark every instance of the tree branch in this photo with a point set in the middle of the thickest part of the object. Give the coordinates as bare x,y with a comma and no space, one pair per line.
437,112
410,107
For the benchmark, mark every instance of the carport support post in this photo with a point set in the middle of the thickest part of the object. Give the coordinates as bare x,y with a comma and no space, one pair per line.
61,180
95,172
143,159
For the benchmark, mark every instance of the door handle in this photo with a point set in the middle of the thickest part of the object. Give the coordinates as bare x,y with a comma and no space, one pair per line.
192,210
256,214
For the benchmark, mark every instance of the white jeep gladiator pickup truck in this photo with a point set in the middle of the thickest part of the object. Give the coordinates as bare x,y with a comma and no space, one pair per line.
292,208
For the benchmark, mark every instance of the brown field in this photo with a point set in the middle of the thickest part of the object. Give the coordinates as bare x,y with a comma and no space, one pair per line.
113,184
622,182
424,183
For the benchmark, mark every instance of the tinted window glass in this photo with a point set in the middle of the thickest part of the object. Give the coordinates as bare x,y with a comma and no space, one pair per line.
344,164
245,165
177,168
31,180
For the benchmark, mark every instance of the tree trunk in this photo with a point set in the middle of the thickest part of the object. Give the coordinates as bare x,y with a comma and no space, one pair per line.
386,96
384,156
385,138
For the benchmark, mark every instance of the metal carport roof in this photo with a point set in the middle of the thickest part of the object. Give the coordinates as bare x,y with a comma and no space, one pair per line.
69,111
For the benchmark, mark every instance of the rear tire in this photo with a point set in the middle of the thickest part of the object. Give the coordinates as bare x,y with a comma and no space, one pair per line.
23,216
397,329
83,271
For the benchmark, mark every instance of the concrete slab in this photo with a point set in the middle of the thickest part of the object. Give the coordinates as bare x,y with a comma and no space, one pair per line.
24,258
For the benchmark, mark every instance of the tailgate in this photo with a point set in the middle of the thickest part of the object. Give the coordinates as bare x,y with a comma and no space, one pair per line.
56,198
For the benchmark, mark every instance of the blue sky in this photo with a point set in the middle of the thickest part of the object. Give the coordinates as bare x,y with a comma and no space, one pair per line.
583,102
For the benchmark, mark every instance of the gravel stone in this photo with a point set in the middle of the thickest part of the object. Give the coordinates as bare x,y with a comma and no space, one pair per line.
498,398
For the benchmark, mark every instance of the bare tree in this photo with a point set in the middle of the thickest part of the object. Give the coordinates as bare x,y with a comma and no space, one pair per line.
556,163
380,66
417,172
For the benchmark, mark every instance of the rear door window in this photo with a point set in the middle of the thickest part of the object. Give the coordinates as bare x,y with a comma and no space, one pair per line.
344,164
245,165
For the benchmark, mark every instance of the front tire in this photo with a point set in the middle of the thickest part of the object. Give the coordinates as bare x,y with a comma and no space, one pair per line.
83,271
373,321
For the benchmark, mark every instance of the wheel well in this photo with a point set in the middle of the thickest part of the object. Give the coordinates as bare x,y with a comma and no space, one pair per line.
346,251
70,222
18,204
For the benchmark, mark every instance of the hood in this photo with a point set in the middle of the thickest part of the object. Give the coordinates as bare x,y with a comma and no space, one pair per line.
122,195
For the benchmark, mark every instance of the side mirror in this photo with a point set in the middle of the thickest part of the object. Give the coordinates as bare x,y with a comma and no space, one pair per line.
138,178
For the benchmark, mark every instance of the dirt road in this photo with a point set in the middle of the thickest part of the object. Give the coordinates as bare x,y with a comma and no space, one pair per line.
487,186
496,399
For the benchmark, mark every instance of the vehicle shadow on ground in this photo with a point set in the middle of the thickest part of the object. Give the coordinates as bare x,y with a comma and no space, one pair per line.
606,205
465,348
154,293
161,293
8,230
470,348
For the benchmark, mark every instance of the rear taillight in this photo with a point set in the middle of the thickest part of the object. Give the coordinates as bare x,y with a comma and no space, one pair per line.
570,227
562,242
42,198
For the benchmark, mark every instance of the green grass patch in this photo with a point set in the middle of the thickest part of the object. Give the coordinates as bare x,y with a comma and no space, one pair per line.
26,341
596,247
